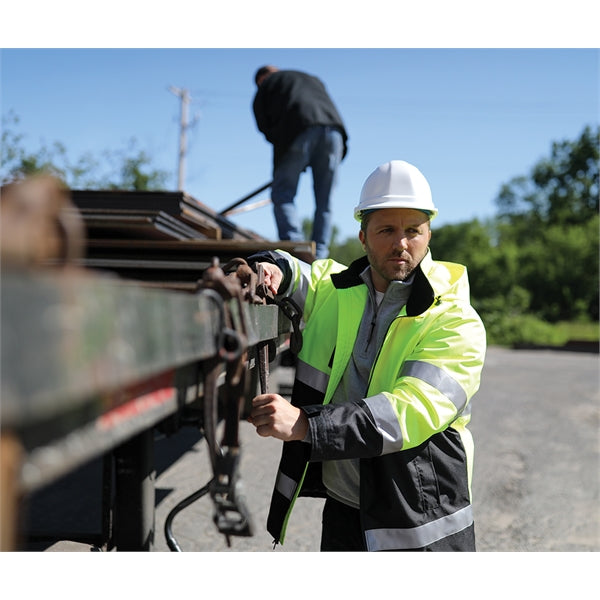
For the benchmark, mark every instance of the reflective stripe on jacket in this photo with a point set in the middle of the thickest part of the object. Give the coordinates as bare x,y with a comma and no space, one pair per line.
409,431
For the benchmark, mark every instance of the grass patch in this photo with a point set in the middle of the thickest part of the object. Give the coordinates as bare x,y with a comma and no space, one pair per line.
585,332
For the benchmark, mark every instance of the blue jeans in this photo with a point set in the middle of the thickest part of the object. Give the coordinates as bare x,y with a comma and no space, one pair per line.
320,148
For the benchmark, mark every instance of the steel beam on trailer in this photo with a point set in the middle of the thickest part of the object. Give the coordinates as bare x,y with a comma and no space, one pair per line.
71,338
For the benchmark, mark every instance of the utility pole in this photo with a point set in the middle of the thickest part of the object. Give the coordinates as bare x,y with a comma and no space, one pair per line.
183,125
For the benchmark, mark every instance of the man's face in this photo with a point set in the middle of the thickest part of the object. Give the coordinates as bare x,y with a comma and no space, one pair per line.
395,240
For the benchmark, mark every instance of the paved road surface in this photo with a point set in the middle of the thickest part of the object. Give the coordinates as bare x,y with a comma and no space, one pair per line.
536,480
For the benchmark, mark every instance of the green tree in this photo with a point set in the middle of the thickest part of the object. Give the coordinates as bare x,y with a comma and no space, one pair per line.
560,190
560,267
552,217
346,251
132,170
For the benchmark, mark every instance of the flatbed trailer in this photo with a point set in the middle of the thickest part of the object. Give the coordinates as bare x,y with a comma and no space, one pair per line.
108,339
90,366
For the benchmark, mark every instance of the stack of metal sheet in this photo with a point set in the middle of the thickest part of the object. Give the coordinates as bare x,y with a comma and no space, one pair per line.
164,239
146,224
182,207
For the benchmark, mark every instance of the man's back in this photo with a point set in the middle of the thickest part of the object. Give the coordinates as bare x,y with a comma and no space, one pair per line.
287,102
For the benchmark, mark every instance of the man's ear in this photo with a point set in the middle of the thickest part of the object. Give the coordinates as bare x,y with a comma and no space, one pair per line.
361,237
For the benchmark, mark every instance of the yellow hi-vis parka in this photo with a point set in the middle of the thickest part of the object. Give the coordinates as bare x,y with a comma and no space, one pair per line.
409,431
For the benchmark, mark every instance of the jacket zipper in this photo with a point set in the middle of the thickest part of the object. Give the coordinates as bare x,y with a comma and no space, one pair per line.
379,351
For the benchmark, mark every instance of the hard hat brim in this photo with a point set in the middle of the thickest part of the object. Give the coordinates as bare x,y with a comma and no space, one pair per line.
359,212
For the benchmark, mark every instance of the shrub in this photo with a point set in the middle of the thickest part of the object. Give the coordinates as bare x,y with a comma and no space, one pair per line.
521,330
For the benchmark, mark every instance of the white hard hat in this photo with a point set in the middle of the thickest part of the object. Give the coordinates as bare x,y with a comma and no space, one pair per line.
395,184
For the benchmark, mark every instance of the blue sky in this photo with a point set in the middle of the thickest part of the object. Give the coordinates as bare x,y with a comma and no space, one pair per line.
470,119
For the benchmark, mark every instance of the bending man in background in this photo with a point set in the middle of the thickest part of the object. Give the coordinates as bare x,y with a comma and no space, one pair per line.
295,113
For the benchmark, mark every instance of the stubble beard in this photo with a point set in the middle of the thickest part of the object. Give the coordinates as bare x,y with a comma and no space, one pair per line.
391,272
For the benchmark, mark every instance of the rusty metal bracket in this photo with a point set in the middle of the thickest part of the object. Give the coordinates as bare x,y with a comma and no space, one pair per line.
231,515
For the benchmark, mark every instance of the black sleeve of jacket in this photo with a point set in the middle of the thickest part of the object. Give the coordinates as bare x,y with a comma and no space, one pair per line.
263,123
275,259
339,431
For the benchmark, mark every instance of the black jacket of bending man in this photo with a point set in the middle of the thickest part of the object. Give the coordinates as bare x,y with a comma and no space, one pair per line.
287,103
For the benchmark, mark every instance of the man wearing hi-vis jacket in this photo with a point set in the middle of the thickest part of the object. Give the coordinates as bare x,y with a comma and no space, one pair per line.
392,354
